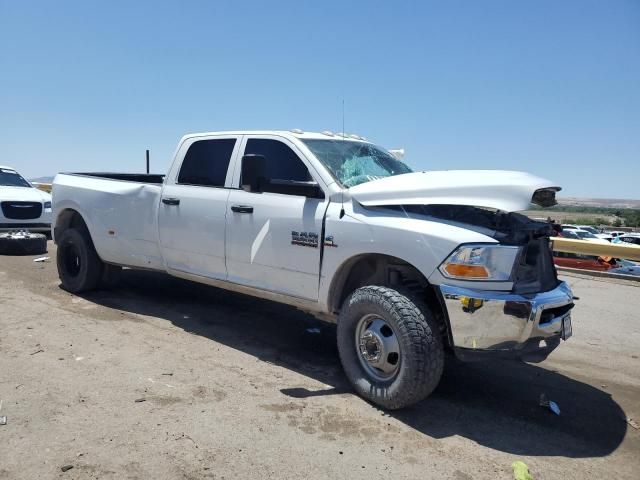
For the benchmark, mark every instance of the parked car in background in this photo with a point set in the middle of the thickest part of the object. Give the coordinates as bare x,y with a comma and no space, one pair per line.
578,234
616,233
585,262
605,236
569,233
630,239
627,270
22,206
589,229
584,235
598,233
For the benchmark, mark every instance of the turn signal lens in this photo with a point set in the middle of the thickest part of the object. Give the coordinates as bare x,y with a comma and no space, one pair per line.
466,271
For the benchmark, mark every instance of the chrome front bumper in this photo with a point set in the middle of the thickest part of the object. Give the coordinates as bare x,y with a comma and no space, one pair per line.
527,326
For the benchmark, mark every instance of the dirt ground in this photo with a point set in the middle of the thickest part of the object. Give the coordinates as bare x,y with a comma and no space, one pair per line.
163,378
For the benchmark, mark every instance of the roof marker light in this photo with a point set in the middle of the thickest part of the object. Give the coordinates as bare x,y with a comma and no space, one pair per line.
296,130
329,133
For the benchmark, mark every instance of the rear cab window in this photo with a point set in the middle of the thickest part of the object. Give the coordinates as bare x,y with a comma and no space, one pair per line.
206,162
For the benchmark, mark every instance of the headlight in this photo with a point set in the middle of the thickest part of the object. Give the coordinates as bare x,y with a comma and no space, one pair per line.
47,205
481,262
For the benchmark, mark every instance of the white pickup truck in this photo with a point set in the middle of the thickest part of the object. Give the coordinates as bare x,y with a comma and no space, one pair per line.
409,264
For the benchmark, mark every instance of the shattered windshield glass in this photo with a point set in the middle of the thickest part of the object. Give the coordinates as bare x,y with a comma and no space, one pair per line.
353,163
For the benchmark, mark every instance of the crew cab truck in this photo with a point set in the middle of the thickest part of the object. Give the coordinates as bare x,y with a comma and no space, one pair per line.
409,264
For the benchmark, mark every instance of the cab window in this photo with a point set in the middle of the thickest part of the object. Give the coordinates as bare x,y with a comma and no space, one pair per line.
281,162
206,162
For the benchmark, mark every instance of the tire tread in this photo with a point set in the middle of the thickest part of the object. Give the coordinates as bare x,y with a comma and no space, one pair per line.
418,330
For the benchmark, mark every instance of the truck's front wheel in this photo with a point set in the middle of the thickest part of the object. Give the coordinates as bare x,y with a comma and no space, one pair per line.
390,348
79,266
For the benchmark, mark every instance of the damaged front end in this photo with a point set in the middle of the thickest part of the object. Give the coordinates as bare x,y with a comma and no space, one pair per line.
527,322
534,270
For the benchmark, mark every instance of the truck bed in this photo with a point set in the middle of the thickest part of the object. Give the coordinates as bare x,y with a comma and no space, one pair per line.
120,210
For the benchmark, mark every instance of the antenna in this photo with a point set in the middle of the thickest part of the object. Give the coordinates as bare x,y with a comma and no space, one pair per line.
147,155
343,118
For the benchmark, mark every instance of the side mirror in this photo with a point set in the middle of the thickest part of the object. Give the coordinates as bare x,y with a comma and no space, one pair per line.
253,173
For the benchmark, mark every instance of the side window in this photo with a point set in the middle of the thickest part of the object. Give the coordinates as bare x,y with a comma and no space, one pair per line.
281,163
206,162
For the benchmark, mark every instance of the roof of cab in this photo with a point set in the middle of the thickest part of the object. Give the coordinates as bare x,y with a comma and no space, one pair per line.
7,168
299,134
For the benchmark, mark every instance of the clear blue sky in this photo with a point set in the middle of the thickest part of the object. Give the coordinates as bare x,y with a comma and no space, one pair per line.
551,87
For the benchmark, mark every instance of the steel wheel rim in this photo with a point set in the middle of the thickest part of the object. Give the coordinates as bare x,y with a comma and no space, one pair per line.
377,347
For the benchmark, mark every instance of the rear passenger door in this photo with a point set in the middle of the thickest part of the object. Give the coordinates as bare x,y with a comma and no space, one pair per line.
193,206
274,239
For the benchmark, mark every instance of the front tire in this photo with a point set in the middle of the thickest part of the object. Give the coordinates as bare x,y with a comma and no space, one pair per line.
389,346
79,267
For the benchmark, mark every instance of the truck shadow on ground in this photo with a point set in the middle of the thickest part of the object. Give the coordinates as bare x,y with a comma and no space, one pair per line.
495,404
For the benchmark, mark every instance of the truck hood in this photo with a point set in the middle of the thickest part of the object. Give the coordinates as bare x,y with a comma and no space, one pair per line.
499,189
23,194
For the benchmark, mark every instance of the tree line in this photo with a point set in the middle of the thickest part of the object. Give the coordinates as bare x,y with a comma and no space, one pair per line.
629,217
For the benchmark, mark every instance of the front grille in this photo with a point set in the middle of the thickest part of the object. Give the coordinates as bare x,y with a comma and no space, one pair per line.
535,271
21,210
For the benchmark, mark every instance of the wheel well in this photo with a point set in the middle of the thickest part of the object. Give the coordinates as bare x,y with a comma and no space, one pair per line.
68,218
385,270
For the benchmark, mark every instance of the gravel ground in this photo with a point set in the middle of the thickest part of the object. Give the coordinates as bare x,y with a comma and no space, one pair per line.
163,378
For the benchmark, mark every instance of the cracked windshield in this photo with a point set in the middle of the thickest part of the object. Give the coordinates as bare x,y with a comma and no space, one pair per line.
353,163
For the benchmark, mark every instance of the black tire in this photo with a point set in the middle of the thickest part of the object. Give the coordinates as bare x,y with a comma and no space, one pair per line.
421,351
22,243
79,267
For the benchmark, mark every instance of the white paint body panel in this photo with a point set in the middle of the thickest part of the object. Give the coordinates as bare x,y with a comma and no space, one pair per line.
204,240
192,234
422,243
128,209
259,249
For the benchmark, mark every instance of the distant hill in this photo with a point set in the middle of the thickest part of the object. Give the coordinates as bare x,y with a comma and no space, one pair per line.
598,202
42,179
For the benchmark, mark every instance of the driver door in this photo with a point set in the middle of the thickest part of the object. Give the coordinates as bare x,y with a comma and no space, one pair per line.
273,240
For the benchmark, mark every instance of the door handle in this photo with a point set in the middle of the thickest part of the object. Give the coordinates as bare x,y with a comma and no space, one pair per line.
171,201
242,208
